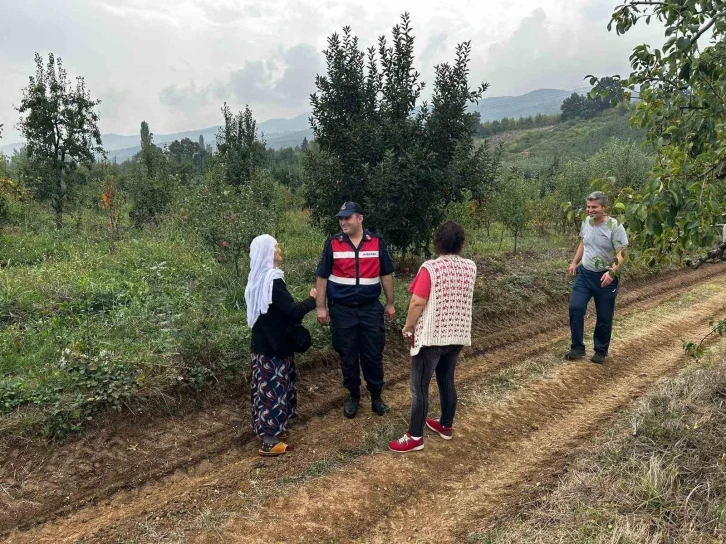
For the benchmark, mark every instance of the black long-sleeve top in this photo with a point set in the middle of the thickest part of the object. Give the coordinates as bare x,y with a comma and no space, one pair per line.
272,331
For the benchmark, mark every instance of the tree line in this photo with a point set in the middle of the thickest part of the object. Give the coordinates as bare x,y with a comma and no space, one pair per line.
405,160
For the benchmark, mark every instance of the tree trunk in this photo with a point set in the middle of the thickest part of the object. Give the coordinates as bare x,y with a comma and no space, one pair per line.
713,255
57,199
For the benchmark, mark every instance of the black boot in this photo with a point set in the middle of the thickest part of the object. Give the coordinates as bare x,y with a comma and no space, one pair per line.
350,409
377,404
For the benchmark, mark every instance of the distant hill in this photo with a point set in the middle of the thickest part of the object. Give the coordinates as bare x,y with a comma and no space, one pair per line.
290,132
274,141
277,132
544,101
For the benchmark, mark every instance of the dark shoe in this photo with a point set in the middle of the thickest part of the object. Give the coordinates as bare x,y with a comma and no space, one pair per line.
598,358
574,354
378,406
350,409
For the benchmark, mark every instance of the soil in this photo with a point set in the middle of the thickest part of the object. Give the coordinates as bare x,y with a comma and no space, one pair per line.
195,477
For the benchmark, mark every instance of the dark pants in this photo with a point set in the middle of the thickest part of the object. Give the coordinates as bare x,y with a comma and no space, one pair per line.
359,338
442,360
587,286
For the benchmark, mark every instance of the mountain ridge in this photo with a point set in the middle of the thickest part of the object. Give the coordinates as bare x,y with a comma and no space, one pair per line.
284,132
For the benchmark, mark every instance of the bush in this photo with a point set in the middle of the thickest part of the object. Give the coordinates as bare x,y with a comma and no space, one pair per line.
228,217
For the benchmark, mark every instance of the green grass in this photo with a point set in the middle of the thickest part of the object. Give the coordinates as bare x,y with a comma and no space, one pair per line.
153,302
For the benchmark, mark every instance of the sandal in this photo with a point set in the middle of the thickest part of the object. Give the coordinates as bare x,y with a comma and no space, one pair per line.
284,435
274,450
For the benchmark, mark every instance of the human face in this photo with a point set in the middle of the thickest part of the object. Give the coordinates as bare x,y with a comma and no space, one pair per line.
596,210
351,225
277,259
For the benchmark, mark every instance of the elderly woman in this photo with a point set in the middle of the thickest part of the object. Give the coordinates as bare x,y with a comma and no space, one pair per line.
438,325
272,314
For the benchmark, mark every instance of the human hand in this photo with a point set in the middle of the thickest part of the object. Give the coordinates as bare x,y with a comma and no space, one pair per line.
606,279
314,292
572,270
323,316
390,310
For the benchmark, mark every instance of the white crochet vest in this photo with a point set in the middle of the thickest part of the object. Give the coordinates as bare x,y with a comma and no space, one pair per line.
446,318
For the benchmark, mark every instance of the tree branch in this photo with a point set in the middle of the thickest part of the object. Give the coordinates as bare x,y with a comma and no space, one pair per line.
703,29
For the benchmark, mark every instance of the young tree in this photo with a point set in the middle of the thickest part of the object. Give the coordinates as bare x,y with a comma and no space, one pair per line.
374,144
239,147
60,125
681,88
148,181
514,204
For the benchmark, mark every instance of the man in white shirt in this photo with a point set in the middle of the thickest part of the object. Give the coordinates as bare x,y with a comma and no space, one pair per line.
599,256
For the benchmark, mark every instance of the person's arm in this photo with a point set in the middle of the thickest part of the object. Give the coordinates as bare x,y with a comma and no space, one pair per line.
283,301
415,308
572,270
611,273
619,260
325,268
323,316
387,269
387,283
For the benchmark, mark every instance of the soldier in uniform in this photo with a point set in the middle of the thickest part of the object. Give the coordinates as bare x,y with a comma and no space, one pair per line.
353,267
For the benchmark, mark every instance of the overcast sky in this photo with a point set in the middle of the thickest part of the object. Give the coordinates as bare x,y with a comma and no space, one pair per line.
174,62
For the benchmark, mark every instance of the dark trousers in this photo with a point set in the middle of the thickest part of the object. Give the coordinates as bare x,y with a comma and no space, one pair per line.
359,338
442,360
587,286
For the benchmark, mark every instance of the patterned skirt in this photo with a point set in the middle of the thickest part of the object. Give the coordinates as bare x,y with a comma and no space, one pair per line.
274,395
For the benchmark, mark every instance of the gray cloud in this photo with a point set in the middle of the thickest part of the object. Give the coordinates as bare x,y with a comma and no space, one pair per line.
261,81
250,83
186,99
302,63
435,44
598,11
111,102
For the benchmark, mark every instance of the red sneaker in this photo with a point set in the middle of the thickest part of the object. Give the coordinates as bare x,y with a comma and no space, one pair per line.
406,444
444,432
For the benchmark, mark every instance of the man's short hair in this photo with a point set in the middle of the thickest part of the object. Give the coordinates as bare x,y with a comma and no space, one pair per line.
599,196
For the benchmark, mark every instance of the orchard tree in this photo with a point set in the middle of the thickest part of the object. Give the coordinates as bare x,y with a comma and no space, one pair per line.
60,126
148,181
681,91
375,144
514,204
239,147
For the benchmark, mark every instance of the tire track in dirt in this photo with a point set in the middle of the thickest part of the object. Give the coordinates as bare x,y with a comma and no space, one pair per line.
214,436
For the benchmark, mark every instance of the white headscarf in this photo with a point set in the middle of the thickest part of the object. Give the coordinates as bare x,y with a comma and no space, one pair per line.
258,293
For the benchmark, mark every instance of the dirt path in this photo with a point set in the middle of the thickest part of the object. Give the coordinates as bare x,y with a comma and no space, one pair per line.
192,477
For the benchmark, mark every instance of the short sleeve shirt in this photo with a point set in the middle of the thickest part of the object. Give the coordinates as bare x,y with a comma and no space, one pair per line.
601,242
421,284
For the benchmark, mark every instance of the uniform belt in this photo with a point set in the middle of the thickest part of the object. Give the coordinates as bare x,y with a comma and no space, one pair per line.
351,304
